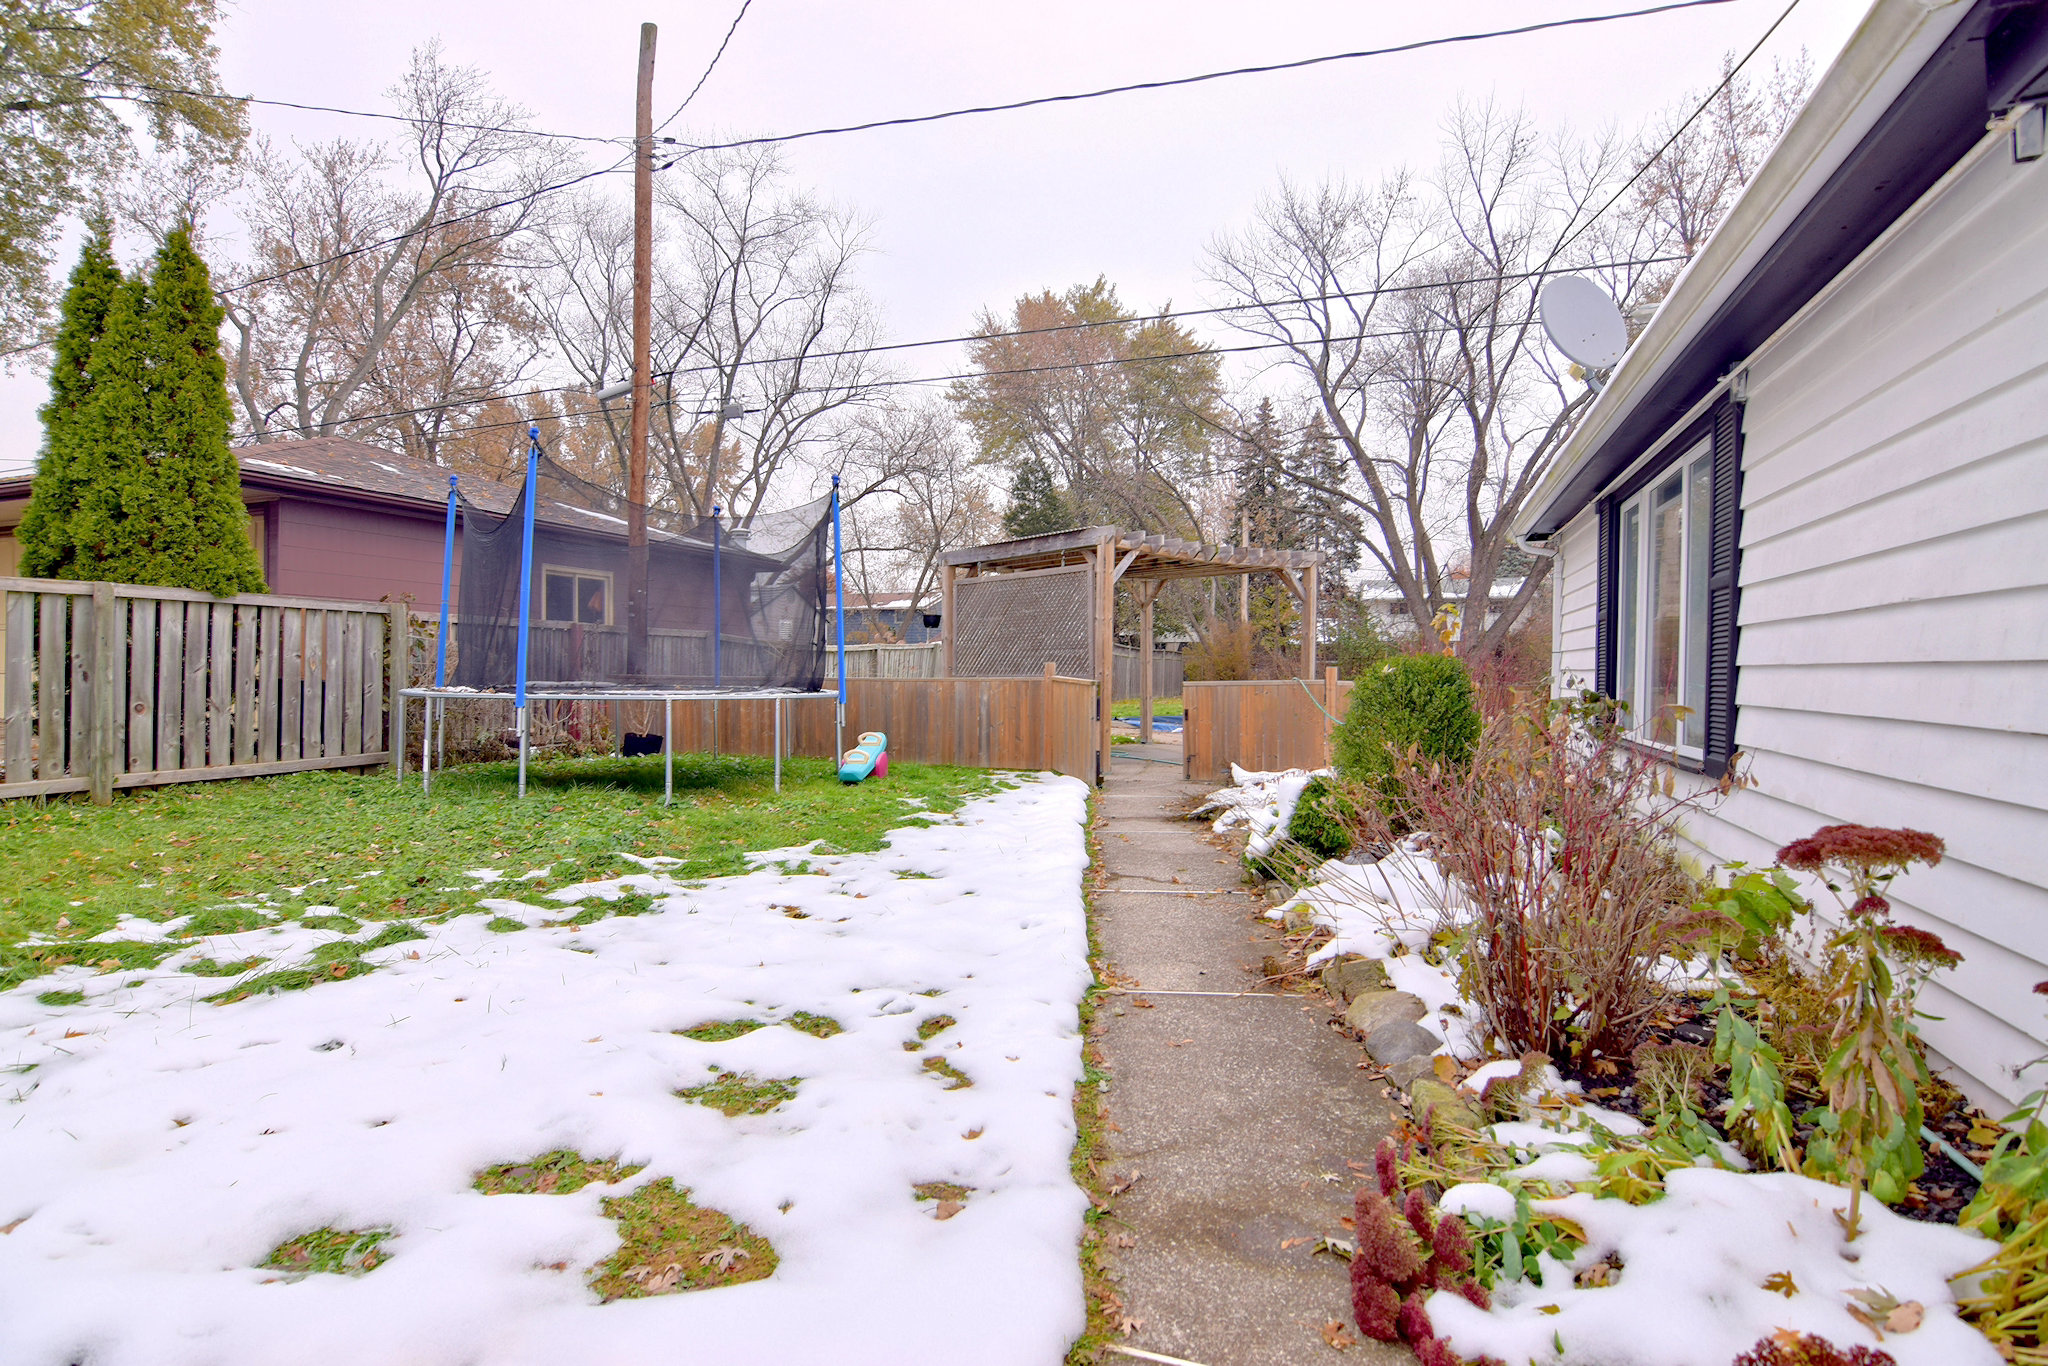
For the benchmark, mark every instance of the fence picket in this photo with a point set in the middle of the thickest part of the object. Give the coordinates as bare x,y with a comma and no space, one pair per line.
141,708
170,685
220,684
272,623
245,684
20,687
332,672
292,685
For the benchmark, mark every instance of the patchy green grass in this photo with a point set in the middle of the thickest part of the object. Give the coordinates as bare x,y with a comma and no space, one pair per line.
1161,706
718,1031
211,967
942,1190
561,1172
61,998
335,1252
236,856
930,1029
742,1093
335,961
956,1080
668,1245
503,924
817,1026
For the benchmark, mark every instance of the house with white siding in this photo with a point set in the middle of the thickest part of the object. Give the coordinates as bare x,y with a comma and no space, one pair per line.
1804,527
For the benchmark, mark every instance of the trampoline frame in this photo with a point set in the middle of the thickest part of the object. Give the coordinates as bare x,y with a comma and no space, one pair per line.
434,727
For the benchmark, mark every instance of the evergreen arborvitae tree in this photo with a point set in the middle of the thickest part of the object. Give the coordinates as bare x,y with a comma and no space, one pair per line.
161,500
47,547
1036,503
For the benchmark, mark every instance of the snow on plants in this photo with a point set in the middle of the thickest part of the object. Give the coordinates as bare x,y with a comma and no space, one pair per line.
1722,1260
156,1150
1262,802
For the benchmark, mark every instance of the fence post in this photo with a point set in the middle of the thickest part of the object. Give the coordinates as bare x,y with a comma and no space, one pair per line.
400,637
1329,709
1047,691
106,704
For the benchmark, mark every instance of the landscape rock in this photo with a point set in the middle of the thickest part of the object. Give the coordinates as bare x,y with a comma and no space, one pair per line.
1399,1041
1451,1105
1347,978
1371,1009
1404,1073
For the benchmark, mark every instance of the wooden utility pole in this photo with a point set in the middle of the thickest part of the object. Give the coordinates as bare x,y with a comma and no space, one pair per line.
643,377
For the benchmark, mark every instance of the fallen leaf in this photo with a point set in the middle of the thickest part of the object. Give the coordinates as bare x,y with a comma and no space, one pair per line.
1126,1325
727,1256
1141,1003
1122,1184
1348,1222
949,1208
1549,1309
1335,1336
1286,1243
1905,1318
1446,1070
1176,1043
414,954
9,1228
1782,1283
972,1134
1123,1240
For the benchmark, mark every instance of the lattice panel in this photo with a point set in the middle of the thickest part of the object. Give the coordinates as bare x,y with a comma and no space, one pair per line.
1009,625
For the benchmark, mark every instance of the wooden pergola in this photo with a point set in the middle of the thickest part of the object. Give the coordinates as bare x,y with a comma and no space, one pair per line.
1109,556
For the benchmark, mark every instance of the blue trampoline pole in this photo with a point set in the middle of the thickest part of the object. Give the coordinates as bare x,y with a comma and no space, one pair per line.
717,607
839,628
447,581
526,595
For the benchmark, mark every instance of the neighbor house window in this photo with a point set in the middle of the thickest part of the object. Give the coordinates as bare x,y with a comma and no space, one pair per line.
581,596
1665,635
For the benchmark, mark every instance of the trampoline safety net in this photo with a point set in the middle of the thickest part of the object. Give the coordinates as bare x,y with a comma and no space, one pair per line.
763,587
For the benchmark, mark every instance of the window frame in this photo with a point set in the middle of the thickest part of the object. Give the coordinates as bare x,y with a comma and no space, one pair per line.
548,571
1718,432
1693,463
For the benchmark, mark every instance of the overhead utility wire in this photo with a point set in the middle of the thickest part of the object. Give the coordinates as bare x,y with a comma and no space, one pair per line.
1679,132
1168,315
1035,102
367,247
745,5
332,109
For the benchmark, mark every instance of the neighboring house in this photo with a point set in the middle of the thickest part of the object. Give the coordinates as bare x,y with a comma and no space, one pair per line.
1810,505
1388,606
887,617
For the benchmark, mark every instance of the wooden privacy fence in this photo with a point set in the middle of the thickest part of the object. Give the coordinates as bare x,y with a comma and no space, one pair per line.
1047,722
1168,672
888,661
114,685
1267,725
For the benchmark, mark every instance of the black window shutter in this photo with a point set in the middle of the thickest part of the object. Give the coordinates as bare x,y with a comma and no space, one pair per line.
1604,588
1723,587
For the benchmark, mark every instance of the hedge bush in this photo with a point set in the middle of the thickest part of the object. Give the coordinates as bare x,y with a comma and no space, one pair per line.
1424,702
1318,823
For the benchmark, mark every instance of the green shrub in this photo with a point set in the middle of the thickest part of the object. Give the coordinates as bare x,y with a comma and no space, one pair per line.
1422,702
1318,823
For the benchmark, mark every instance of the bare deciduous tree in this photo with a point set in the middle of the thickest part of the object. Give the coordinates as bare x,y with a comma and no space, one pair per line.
362,296
916,499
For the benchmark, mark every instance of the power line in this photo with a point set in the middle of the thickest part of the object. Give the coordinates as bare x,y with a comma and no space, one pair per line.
744,6
1164,316
367,247
1679,132
1037,101
331,109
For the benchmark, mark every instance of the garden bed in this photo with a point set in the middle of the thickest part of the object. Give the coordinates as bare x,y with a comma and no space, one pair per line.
1623,1091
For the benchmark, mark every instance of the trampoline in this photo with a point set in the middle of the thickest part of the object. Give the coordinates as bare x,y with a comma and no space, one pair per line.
545,613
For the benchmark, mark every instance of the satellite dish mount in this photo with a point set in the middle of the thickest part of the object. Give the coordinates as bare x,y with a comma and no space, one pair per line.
1585,324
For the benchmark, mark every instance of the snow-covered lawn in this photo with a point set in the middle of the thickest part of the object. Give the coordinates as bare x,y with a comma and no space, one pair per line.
154,1149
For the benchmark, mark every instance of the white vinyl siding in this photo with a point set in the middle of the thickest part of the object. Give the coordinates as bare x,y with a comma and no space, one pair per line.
1892,661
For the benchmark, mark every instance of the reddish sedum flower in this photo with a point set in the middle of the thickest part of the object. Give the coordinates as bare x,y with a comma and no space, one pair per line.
1417,1214
1389,1176
1413,1320
1374,1305
1476,1293
1452,1246
1383,1245
1918,946
2041,988
1864,848
1871,904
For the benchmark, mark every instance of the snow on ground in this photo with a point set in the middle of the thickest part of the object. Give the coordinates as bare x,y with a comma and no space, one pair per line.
1692,1289
160,1147
1262,802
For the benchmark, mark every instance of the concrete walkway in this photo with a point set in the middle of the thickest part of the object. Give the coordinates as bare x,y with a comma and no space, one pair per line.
1235,1117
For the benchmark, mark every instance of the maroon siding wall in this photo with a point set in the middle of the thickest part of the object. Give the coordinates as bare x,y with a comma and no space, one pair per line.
324,550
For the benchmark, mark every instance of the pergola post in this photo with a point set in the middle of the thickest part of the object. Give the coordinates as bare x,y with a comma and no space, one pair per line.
1105,648
1308,621
1148,594
948,624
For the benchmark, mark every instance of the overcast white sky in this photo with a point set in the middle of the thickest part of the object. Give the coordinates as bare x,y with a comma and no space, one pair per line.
973,212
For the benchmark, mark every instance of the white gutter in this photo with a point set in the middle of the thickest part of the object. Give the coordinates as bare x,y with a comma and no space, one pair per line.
1880,59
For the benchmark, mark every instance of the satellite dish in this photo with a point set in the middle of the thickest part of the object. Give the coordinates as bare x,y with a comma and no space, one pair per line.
1583,322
